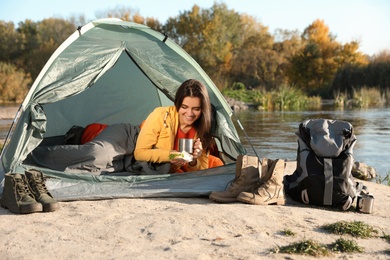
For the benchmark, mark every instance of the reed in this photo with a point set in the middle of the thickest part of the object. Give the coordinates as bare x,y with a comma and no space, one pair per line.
383,180
288,98
368,97
361,98
282,98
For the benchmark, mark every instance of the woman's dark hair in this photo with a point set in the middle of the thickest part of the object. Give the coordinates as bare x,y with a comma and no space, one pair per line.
194,88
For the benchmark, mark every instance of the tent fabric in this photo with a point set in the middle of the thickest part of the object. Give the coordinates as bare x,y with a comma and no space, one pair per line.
94,187
109,71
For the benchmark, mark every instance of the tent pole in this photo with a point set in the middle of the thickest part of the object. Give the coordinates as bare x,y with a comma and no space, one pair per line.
247,137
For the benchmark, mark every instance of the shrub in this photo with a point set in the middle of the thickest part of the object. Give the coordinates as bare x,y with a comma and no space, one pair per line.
13,83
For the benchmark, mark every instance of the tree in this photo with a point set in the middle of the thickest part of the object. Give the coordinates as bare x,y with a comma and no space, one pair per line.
10,42
349,55
314,67
209,36
40,40
121,12
14,83
77,21
382,56
131,15
255,63
287,44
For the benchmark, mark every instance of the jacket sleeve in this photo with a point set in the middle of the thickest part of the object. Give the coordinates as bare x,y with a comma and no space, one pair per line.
154,140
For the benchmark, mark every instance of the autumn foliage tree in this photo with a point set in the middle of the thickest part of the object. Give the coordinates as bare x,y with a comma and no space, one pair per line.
314,67
39,41
232,48
354,76
14,83
210,36
255,63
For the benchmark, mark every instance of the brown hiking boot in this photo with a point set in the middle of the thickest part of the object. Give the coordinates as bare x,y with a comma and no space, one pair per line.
247,177
40,192
270,190
17,196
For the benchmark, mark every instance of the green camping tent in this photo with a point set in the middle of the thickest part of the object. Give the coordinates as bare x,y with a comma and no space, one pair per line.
110,71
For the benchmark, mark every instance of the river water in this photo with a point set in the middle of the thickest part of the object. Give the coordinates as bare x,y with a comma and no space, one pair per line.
272,134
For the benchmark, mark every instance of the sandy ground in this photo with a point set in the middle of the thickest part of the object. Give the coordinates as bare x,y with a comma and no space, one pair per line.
182,228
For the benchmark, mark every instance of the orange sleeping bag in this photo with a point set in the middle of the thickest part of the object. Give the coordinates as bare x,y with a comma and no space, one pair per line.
91,131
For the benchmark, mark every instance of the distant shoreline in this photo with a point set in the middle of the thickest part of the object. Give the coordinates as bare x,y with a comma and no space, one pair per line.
8,112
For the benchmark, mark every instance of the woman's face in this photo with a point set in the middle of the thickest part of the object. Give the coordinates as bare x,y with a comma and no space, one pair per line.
190,110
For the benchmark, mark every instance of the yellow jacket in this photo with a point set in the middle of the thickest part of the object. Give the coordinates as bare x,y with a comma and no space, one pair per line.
157,136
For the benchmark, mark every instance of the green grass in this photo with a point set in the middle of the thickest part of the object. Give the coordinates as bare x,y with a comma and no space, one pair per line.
282,98
304,247
345,246
312,248
383,180
288,232
354,228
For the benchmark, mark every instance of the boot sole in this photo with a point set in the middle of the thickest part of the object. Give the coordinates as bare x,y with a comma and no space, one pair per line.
51,207
259,202
228,200
27,210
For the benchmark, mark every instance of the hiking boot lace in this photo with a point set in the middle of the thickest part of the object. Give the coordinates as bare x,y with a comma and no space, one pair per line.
22,188
232,183
260,184
40,185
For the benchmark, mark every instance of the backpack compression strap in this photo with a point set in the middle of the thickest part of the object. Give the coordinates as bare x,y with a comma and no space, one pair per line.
328,173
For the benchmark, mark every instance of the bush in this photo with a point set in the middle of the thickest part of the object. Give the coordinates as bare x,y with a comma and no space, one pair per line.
13,83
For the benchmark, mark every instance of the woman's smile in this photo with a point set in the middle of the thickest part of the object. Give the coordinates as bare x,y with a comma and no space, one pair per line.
189,111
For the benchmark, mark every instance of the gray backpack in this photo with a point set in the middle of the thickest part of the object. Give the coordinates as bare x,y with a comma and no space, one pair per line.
323,175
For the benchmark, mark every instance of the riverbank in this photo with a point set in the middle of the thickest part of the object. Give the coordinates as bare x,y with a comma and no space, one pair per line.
8,112
185,228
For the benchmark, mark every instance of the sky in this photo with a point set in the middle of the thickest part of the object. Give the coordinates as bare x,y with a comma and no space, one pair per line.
367,21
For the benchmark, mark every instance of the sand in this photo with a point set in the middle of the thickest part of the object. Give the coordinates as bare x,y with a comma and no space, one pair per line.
183,228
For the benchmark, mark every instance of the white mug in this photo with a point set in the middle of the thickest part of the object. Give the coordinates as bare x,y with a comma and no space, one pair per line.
365,203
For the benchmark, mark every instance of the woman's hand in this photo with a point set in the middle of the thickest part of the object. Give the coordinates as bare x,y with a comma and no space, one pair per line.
198,149
176,159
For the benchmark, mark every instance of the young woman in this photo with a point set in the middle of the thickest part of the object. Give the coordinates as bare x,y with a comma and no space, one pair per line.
190,117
